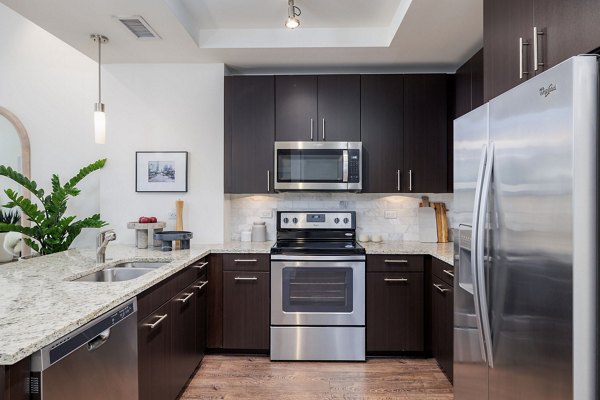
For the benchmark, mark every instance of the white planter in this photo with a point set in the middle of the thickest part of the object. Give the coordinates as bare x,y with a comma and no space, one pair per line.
5,256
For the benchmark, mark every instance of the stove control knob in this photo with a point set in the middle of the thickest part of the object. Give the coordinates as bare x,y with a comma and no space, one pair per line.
346,220
286,220
337,220
295,220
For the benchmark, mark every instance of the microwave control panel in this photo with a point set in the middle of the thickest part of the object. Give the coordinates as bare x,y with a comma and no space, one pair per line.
353,166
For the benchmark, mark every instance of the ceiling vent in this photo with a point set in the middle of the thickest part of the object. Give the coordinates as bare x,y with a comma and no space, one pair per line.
139,27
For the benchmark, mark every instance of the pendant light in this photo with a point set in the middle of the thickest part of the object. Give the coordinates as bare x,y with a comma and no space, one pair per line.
294,12
99,115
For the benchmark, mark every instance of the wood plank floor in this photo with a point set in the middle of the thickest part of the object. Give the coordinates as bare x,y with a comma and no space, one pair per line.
256,377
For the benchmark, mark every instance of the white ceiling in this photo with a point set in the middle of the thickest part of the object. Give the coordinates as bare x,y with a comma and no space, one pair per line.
249,36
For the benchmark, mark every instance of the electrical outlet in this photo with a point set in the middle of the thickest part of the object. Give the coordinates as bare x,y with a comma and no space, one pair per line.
266,213
390,214
172,215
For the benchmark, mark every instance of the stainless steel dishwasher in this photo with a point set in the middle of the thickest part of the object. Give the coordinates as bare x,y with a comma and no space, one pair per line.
96,361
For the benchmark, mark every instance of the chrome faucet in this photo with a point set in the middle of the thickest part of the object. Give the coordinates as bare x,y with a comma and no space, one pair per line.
102,242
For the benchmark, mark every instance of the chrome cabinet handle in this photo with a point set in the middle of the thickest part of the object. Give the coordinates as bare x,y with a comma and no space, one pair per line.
199,287
311,129
238,278
536,34
448,272
204,264
245,260
323,128
440,288
395,279
396,261
398,180
410,180
158,321
186,298
268,181
521,44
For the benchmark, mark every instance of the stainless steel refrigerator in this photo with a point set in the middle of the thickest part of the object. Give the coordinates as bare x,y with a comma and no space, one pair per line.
525,183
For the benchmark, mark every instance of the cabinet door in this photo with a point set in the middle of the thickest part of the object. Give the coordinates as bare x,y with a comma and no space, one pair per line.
154,355
381,129
442,310
569,28
339,108
215,299
425,134
184,360
246,310
395,319
504,22
201,318
252,133
296,108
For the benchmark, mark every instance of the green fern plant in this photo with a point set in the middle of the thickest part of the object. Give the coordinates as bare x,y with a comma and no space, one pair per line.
51,231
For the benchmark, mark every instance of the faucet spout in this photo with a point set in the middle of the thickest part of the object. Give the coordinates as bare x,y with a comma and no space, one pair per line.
102,241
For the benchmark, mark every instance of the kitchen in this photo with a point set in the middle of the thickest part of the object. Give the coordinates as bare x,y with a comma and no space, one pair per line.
209,104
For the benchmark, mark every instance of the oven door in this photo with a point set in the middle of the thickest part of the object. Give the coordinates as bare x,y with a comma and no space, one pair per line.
317,166
318,291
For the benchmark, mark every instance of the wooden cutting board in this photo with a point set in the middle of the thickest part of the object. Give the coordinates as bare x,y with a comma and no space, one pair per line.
441,222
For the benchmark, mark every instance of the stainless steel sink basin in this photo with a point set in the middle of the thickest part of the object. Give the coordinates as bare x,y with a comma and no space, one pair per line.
140,264
119,274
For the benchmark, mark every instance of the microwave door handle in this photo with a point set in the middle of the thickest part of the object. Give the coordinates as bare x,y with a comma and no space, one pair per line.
345,167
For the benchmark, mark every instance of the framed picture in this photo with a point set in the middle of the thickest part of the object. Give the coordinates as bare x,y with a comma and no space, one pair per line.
161,171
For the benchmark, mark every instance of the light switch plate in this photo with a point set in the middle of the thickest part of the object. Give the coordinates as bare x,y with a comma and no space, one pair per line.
390,214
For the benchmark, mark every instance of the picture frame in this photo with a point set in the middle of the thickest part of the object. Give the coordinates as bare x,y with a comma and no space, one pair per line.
161,171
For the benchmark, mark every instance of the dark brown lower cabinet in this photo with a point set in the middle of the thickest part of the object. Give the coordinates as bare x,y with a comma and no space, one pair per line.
154,355
246,304
172,337
395,312
183,347
14,380
442,324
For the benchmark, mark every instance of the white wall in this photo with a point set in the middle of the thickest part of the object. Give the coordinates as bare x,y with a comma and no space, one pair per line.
51,88
165,107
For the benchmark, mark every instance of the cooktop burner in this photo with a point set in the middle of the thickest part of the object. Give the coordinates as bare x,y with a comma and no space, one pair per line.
314,247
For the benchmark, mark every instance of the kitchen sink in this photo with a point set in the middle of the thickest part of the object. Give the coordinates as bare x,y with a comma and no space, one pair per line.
140,264
118,274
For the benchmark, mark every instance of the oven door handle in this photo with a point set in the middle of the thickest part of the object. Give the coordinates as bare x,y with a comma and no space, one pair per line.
345,167
302,258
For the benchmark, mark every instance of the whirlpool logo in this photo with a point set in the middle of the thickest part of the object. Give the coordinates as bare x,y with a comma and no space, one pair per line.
546,91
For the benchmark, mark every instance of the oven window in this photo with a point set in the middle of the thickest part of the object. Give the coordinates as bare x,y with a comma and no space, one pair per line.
310,166
317,289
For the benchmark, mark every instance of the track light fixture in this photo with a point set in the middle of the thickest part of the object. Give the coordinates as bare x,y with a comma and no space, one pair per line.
294,12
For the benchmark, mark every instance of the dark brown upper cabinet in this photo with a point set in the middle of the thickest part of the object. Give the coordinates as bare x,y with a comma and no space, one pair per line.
296,110
426,133
339,108
551,31
382,132
317,108
565,29
505,23
469,85
249,133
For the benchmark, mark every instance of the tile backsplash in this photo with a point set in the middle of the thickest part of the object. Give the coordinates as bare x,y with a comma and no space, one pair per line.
370,209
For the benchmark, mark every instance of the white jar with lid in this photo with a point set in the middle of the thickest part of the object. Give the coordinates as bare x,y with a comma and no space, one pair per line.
259,231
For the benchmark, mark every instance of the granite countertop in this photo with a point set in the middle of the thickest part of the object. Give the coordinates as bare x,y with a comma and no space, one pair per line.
39,303
442,251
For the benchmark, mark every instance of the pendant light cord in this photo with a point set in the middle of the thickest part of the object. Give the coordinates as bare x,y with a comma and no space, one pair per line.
99,38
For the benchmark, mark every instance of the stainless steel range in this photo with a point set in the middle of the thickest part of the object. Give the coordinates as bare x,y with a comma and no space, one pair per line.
317,288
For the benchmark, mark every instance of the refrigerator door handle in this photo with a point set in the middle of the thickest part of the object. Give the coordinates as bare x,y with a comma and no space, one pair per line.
474,247
480,243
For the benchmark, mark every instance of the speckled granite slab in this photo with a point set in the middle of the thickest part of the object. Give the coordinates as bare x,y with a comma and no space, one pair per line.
442,251
39,303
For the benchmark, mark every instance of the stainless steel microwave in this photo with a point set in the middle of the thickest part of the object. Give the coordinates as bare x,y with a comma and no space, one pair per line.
313,166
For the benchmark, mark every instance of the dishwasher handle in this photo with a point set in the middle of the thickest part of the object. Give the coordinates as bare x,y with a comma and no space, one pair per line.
99,340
